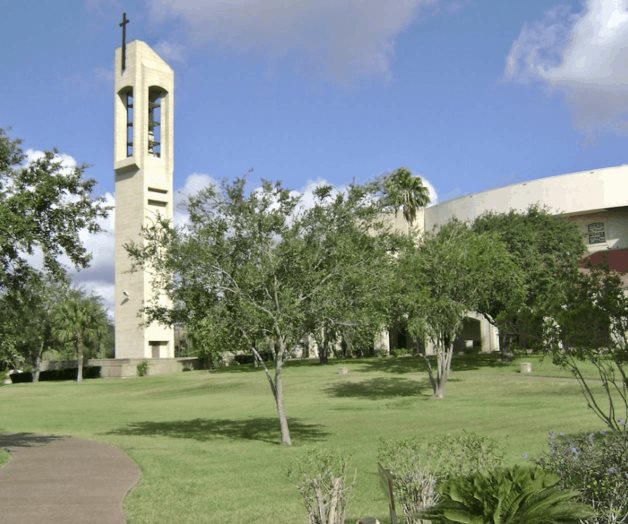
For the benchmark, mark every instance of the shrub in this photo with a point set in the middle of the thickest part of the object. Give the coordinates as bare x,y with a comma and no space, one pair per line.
595,464
516,495
400,352
56,374
321,478
414,468
142,368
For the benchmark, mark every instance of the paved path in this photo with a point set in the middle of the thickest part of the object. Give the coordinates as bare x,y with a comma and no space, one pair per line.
63,480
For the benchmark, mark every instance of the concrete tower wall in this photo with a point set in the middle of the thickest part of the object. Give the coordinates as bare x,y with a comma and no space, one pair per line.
143,188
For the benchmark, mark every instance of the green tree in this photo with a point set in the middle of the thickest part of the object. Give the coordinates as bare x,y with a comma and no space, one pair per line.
452,272
547,250
406,192
590,326
351,265
234,269
28,321
43,207
80,321
247,270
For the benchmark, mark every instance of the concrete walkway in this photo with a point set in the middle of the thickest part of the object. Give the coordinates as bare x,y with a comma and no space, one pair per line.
63,480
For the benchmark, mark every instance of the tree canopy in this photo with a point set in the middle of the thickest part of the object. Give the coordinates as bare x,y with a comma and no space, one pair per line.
43,208
81,322
452,272
546,250
406,192
256,270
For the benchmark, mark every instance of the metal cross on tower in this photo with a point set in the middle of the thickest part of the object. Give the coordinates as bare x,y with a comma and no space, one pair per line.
123,24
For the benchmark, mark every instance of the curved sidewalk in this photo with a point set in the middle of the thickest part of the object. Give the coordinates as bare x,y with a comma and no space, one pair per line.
63,480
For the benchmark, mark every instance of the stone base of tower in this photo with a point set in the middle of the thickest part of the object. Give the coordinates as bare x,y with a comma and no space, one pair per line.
150,342
127,367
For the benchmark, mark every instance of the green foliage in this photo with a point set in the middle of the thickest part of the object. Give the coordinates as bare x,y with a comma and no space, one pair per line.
595,464
401,352
43,206
320,476
591,326
4,457
515,495
255,270
546,250
27,325
81,323
451,272
346,251
416,467
142,368
403,190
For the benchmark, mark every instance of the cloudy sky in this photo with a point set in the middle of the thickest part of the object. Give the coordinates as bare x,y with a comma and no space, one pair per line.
469,94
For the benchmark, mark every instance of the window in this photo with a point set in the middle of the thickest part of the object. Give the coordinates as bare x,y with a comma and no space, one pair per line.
596,233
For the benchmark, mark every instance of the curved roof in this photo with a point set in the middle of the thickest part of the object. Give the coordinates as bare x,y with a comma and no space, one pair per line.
572,193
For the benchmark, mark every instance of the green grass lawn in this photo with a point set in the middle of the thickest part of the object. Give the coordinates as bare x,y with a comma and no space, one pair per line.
207,442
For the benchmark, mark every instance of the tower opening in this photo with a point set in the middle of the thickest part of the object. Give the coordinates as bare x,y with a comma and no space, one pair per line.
127,99
155,98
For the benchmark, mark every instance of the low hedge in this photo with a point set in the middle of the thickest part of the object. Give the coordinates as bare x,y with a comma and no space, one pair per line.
56,374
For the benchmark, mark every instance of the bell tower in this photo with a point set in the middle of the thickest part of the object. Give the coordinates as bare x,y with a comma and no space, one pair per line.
143,165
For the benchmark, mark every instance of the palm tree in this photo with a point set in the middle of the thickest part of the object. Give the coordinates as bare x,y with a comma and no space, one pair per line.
81,322
405,191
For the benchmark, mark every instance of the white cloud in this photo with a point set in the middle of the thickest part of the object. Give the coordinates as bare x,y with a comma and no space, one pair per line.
432,191
344,39
584,56
192,185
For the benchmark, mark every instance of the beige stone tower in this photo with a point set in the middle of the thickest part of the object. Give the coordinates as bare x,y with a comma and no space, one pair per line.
143,164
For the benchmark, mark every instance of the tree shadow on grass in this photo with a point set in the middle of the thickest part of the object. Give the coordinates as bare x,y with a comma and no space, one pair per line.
25,440
204,429
414,364
378,388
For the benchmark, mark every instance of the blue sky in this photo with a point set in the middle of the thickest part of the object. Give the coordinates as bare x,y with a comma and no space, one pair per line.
469,94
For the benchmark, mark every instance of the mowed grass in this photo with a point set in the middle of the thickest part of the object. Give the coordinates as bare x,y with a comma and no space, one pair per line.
207,442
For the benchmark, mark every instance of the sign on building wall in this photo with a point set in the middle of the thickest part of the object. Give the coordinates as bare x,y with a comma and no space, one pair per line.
596,232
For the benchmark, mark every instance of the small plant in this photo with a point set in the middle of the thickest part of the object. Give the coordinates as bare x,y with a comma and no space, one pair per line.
596,464
321,478
516,495
401,352
413,469
142,368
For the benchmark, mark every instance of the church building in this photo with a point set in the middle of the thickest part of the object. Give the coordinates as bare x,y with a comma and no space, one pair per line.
597,201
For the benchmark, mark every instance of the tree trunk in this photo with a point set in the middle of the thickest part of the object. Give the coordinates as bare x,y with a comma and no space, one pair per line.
323,357
444,356
37,366
281,410
79,371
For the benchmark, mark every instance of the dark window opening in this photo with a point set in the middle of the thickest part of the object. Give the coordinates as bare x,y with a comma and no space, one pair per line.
127,97
155,97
